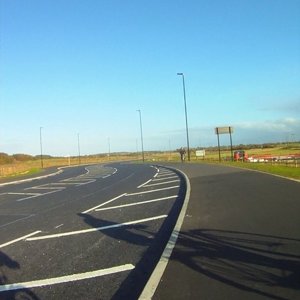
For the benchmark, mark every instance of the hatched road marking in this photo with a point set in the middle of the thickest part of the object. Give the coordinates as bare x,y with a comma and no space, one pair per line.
137,203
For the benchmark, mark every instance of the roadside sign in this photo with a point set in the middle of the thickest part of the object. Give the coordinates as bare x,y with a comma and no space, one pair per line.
200,153
223,130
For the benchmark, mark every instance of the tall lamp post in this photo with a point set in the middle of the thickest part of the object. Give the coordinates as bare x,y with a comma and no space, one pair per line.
78,142
186,119
141,127
108,154
41,145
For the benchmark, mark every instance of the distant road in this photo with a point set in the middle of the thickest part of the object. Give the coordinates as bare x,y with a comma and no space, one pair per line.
88,233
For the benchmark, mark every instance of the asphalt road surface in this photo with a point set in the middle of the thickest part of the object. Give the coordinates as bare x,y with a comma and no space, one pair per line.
91,232
240,238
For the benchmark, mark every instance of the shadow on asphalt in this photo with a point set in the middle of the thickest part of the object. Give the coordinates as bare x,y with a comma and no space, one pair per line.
251,262
134,234
134,284
7,263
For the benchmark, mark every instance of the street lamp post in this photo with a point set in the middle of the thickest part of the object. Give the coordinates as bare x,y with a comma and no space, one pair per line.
41,145
108,154
141,127
186,118
78,141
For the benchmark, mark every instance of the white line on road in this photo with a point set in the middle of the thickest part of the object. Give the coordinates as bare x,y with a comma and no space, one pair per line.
45,187
65,279
137,203
93,208
40,195
160,179
144,183
58,235
15,221
31,179
157,274
91,181
166,174
19,239
152,191
26,194
106,176
65,183
58,226
160,183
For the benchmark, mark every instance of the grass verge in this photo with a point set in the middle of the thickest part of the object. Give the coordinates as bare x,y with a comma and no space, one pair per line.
29,172
285,171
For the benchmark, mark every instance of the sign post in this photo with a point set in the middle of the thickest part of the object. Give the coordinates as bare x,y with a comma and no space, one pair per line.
224,130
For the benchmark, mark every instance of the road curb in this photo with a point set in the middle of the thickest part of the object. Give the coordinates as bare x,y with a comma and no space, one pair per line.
33,178
154,280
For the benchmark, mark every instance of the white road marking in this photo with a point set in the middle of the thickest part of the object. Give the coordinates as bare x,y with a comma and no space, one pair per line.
65,183
58,226
31,179
144,183
157,274
160,179
65,279
137,203
76,179
166,174
93,208
15,221
106,176
160,183
155,174
91,181
26,194
19,239
152,191
45,187
40,195
58,235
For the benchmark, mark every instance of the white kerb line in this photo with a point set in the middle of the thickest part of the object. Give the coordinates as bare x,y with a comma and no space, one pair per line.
64,279
19,239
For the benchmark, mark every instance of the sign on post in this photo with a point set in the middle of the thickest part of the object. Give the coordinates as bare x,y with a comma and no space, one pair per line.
224,130
200,153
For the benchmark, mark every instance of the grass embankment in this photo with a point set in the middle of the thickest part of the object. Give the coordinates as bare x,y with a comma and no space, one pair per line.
24,173
281,170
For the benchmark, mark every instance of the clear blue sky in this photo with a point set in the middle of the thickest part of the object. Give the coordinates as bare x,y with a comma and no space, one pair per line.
86,66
